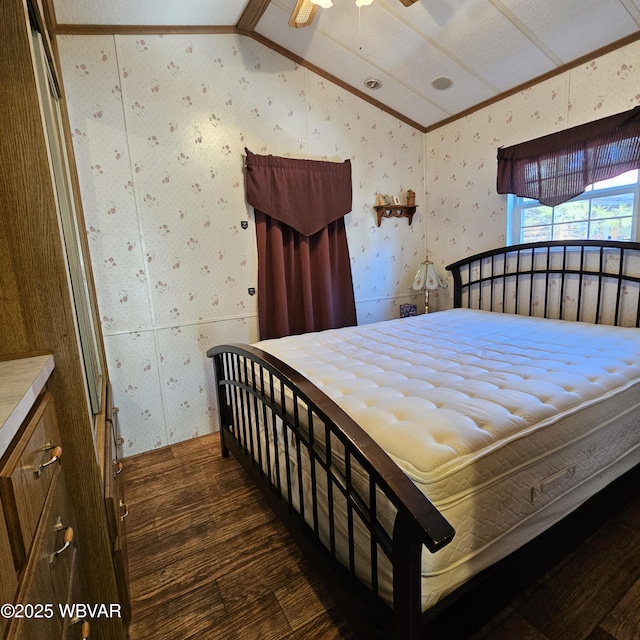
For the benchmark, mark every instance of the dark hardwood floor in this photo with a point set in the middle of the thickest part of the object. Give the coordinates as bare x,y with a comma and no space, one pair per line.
208,560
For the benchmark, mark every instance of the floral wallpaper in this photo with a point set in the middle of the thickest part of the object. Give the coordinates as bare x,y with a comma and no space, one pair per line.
159,126
465,214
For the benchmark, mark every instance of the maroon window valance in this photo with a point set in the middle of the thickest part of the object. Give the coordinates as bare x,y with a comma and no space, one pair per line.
560,166
306,200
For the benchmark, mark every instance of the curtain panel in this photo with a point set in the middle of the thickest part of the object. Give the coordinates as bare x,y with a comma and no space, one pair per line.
560,166
304,269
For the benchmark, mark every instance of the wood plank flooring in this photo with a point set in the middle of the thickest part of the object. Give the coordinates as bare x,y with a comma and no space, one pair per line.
208,559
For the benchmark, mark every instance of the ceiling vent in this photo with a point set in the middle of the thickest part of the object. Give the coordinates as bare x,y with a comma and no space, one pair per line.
441,83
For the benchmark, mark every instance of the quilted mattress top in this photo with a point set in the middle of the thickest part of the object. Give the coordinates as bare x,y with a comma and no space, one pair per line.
442,391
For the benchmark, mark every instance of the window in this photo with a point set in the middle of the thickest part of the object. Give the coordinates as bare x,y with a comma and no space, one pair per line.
607,210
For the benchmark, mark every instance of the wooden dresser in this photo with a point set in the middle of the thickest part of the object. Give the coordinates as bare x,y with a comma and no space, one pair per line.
41,564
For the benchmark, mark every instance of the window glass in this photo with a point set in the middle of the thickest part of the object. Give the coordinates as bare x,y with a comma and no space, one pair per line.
630,177
607,210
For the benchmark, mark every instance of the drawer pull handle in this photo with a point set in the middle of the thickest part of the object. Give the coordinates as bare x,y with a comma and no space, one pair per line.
85,629
123,505
119,467
68,539
55,455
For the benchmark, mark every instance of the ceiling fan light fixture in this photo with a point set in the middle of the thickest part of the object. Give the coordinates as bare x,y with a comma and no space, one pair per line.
372,83
303,14
305,10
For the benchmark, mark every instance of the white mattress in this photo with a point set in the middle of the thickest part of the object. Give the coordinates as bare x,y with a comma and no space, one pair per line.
505,422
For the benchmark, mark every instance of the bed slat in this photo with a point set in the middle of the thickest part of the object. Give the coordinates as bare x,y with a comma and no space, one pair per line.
299,434
560,286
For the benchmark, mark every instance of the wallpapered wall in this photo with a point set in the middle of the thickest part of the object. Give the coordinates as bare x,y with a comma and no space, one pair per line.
159,126
465,214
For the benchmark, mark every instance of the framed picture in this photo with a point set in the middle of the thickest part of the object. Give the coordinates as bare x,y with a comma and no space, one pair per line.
396,200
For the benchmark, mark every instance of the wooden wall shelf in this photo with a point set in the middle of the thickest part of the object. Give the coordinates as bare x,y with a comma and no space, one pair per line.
395,211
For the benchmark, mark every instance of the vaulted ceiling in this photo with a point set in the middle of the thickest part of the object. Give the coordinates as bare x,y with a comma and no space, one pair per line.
485,48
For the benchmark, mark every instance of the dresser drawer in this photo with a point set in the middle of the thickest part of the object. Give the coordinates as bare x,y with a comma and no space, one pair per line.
58,542
8,580
78,630
112,495
121,566
71,624
48,570
42,624
26,471
117,512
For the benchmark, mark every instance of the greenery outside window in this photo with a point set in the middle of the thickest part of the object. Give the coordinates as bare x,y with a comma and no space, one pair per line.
607,210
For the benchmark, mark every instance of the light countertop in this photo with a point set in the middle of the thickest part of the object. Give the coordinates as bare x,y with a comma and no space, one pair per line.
21,381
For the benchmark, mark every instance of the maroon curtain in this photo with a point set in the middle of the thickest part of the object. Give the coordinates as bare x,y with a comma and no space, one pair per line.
304,270
560,166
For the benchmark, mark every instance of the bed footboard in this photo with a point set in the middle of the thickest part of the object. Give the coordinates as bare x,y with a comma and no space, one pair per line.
333,486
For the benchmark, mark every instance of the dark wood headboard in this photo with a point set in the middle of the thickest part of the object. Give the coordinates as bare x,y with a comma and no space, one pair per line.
594,281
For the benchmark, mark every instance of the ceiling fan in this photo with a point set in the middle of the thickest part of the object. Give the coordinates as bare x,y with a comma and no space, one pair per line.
305,10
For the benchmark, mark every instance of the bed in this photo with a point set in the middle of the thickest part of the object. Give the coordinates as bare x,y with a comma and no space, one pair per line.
408,456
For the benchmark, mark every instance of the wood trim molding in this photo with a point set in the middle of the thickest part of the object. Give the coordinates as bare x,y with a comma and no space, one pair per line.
251,15
139,29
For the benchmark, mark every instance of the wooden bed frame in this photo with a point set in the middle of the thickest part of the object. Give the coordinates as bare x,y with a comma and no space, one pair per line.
592,281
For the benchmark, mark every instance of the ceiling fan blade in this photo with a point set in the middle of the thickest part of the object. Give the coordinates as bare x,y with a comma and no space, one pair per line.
303,14
305,10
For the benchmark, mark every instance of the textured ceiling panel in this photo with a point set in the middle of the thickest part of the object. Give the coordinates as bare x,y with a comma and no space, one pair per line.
149,12
577,26
503,57
467,89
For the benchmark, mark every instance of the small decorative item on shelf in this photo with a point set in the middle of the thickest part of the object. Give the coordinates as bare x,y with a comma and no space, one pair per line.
389,207
411,198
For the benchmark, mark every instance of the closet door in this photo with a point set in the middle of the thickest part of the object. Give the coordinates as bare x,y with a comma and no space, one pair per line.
77,264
